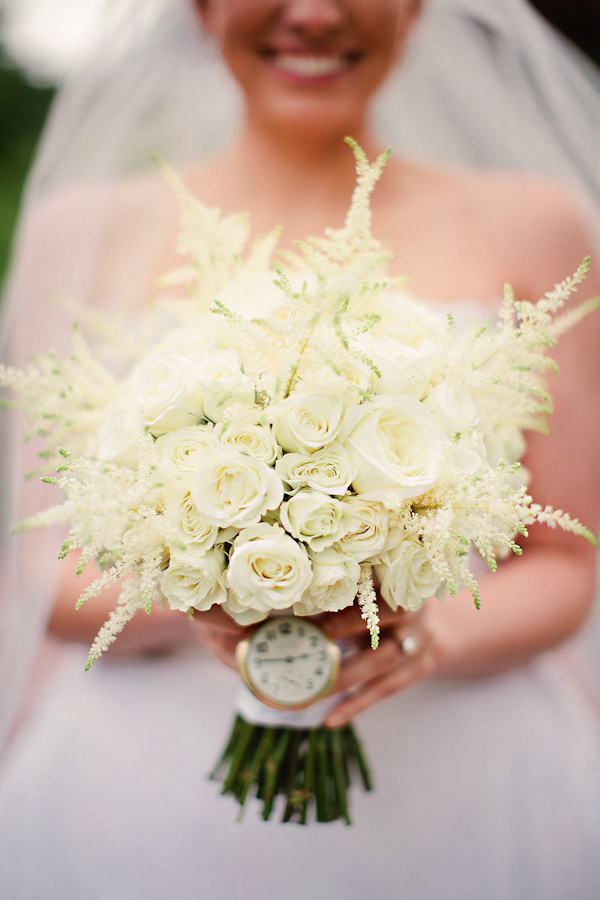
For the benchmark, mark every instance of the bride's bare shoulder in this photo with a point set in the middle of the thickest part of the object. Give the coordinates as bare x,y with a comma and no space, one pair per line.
540,227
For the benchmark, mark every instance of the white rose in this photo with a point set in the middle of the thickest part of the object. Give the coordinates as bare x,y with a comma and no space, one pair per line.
307,422
195,581
186,527
224,384
350,381
408,578
328,470
369,535
255,440
469,453
166,393
395,445
253,295
182,450
241,614
452,406
192,341
267,570
504,443
403,369
316,519
408,321
119,436
333,587
233,489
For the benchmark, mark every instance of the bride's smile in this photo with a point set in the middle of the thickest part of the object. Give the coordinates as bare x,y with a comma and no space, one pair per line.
309,64
302,66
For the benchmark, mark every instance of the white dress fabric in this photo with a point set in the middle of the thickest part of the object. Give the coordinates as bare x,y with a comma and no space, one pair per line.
486,789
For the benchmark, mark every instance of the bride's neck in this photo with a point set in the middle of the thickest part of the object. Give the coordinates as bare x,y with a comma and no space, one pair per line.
292,169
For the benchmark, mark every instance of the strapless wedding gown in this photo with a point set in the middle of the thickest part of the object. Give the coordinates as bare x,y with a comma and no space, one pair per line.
485,790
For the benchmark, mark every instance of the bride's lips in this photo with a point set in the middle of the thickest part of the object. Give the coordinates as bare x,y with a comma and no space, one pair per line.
309,66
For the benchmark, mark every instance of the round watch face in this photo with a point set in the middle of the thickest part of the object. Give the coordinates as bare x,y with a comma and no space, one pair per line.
288,662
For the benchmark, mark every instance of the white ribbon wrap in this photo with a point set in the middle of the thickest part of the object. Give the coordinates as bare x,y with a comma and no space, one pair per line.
254,711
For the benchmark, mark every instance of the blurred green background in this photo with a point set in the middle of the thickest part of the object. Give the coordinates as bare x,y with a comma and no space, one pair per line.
23,109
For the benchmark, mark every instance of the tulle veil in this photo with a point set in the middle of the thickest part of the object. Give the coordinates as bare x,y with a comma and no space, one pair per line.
484,82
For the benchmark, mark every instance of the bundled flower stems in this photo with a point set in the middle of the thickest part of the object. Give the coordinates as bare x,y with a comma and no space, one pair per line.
282,433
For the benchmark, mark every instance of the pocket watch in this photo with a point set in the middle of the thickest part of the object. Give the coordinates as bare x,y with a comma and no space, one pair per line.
288,662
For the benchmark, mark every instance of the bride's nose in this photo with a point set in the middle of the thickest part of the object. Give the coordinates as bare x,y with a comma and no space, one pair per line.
315,18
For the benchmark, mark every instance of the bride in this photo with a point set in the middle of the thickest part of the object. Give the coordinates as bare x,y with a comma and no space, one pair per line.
487,768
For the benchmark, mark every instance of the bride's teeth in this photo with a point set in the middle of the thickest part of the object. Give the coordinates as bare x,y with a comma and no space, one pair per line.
311,66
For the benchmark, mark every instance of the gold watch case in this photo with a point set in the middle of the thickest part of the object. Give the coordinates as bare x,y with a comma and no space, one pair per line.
241,658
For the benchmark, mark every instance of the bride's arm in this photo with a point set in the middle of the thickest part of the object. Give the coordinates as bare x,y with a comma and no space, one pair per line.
534,602
162,630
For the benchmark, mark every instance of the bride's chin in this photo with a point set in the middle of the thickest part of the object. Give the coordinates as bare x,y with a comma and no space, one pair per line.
307,120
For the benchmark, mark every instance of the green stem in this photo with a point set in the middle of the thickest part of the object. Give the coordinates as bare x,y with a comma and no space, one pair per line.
245,736
302,765
272,767
365,772
228,748
291,774
323,805
251,773
309,775
339,774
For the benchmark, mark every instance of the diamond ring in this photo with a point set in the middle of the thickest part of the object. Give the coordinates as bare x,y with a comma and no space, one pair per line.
409,645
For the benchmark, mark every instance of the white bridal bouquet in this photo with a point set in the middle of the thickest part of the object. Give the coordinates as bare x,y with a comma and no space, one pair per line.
281,435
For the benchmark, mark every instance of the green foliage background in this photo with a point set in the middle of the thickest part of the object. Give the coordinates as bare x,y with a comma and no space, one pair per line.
23,109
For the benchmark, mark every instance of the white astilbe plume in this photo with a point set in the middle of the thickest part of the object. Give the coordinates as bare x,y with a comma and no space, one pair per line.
64,399
367,601
129,603
212,242
129,445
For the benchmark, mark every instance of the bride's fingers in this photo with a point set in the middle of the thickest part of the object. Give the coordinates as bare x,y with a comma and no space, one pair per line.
369,664
411,670
348,622
219,644
219,619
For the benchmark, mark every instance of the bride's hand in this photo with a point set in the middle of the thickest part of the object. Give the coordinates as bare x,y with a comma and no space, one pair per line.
219,634
406,654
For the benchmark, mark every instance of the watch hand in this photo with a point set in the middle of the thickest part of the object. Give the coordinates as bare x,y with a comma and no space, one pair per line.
287,659
292,680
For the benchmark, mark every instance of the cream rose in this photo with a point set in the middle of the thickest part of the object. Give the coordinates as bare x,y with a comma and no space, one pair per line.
195,581
166,393
253,296
403,369
118,438
408,321
452,406
333,587
267,570
368,536
395,445
408,578
307,422
350,380
255,440
233,489
182,450
186,528
224,384
328,470
316,519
